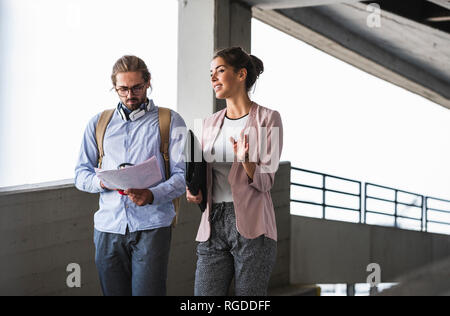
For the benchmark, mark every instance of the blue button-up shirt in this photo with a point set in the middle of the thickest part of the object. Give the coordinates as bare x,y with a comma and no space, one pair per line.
133,142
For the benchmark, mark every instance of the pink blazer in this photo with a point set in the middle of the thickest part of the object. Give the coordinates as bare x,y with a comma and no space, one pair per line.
253,205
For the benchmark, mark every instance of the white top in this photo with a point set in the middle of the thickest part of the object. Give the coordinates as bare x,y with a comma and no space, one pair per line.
224,157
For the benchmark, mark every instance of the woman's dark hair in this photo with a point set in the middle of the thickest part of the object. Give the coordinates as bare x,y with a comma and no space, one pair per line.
238,59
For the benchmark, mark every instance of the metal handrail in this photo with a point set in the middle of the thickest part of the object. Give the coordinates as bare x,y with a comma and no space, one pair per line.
428,209
324,190
396,203
424,207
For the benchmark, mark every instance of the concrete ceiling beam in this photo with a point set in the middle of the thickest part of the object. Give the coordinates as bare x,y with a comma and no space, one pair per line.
403,52
287,4
442,3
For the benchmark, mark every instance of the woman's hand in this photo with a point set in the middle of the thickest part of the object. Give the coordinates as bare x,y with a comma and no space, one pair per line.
240,148
196,199
241,151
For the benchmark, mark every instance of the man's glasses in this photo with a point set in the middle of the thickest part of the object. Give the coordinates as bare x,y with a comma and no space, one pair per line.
137,89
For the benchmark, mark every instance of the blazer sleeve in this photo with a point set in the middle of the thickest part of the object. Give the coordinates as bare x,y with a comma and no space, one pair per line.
269,155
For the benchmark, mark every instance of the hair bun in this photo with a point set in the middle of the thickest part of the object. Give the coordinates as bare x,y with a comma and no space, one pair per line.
258,64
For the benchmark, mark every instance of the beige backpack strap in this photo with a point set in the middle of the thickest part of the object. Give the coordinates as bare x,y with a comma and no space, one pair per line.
164,129
100,130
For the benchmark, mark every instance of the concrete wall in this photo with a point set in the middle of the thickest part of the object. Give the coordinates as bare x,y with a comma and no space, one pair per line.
45,228
325,251
41,232
431,280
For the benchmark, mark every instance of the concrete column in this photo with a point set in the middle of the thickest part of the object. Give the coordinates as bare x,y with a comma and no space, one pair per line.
195,50
232,25
351,289
205,26
232,28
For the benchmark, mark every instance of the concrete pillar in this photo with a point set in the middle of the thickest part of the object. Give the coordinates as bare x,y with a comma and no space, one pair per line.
232,28
373,291
351,289
205,26
195,50
232,25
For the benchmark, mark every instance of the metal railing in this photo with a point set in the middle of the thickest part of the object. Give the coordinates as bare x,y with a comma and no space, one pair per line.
324,190
432,210
395,201
402,208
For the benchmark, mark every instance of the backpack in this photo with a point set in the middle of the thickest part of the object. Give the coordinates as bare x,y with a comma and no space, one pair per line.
164,129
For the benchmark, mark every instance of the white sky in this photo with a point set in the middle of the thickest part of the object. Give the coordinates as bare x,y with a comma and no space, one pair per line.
55,75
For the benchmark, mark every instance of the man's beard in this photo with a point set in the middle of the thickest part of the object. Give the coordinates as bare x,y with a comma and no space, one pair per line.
136,104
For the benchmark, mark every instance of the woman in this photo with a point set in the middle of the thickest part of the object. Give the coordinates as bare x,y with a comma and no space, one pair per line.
242,145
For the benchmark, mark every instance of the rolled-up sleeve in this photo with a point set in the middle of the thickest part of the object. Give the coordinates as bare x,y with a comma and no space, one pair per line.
263,178
175,186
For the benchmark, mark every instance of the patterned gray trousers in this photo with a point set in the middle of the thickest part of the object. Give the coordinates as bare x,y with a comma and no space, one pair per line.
227,254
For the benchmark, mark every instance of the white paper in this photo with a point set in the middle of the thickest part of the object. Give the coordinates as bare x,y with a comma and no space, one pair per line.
141,176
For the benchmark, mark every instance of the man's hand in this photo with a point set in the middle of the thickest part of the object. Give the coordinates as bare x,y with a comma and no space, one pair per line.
140,197
105,187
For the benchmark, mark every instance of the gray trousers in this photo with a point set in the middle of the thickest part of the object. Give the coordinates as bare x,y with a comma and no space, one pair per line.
134,263
227,254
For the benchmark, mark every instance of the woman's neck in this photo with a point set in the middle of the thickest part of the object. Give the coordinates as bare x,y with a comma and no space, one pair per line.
238,107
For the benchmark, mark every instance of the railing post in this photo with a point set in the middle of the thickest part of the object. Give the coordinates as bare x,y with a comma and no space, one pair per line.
360,203
351,290
423,212
323,195
396,196
365,203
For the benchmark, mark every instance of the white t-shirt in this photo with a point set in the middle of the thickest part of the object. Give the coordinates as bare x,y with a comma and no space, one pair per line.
224,157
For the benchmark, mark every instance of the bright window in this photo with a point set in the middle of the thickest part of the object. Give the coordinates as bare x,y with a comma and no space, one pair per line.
56,61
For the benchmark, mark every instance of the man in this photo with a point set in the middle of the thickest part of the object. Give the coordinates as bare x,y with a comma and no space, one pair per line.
132,232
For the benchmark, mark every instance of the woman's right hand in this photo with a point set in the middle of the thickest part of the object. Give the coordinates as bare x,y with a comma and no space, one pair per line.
196,199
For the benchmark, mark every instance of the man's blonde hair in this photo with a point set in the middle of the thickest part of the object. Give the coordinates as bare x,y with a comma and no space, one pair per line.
129,63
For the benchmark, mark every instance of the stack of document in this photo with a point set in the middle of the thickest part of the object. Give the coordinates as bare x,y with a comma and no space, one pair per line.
141,176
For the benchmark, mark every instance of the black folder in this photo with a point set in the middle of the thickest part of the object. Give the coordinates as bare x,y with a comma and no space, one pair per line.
196,170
